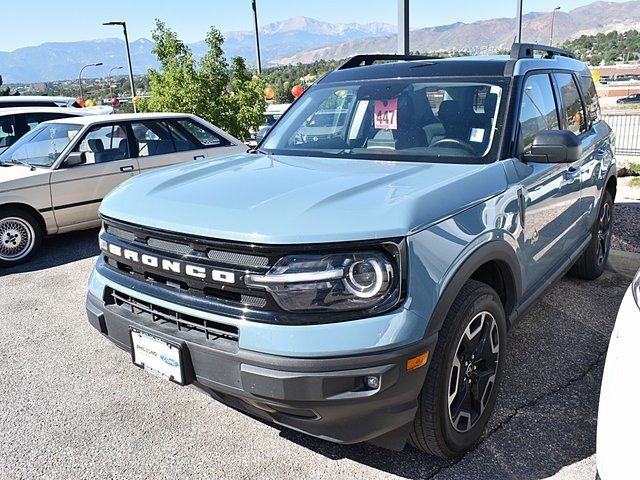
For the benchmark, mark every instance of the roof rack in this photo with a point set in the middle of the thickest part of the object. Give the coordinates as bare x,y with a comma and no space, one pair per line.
526,50
365,60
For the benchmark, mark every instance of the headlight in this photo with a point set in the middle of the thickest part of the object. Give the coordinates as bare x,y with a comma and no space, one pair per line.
332,282
635,288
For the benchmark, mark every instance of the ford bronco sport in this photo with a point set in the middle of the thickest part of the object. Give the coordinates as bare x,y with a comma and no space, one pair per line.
355,278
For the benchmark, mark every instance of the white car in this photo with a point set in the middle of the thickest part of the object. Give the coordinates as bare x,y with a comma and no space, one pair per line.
18,121
271,116
37,101
618,423
53,179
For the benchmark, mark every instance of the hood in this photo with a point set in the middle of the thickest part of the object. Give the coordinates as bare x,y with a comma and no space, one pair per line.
287,200
13,177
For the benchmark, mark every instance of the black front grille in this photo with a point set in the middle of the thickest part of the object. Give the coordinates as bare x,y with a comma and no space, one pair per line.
154,240
226,256
183,323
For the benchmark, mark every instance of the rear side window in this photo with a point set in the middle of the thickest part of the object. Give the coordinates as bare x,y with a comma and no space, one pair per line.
205,136
153,138
538,110
591,98
573,110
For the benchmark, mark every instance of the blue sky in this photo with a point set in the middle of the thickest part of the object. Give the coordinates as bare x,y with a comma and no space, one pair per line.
39,21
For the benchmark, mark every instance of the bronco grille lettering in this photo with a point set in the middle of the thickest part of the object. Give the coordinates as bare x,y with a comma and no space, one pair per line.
173,266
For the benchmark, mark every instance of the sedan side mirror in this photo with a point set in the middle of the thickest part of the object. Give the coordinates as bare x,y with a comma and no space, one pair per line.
75,158
555,146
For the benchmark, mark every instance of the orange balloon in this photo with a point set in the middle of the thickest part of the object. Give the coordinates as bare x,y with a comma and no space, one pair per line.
269,93
297,90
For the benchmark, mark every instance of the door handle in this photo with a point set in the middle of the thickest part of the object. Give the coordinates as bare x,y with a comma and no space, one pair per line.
198,157
126,168
572,172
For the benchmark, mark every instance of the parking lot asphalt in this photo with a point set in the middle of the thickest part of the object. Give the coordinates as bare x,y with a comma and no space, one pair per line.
73,406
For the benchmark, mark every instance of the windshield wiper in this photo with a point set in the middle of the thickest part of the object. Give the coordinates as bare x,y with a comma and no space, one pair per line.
19,162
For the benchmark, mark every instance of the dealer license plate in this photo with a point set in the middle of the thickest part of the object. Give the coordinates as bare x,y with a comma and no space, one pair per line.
157,356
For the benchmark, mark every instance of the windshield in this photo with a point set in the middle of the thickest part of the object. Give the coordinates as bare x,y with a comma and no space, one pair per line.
447,120
42,146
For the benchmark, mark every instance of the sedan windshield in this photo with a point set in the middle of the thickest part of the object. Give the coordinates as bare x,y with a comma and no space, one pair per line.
446,120
42,146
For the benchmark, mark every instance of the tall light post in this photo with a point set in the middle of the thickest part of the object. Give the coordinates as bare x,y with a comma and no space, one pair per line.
519,20
98,64
110,71
553,19
403,27
126,42
255,23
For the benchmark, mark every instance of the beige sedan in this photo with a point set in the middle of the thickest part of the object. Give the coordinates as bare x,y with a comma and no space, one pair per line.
53,179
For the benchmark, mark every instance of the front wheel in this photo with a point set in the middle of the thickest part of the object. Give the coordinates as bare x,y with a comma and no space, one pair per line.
460,390
20,236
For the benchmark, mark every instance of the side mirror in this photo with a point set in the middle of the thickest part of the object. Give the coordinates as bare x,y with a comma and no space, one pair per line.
75,158
555,146
262,133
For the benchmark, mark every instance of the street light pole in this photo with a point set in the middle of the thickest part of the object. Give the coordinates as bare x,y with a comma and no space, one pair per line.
403,27
519,20
98,64
126,42
255,23
553,19
110,89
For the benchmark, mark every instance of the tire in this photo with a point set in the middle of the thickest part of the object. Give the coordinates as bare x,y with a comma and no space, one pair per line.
440,428
591,263
20,236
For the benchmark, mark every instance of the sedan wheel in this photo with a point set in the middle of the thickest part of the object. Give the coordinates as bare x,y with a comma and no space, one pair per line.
20,236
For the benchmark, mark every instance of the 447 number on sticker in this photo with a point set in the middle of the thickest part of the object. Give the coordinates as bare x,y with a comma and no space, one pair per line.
386,114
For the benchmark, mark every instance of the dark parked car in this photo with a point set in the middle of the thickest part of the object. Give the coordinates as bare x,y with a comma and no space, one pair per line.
635,98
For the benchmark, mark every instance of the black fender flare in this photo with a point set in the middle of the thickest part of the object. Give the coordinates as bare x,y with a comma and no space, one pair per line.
495,250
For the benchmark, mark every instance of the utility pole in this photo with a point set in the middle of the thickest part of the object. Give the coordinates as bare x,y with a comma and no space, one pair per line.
255,22
110,81
403,27
519,20
553,19
80,76
126,42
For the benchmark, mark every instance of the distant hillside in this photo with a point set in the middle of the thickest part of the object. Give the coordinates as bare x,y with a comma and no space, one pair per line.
305,40
57,61
488,36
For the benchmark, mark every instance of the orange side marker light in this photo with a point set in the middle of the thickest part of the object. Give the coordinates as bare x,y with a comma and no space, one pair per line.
418,361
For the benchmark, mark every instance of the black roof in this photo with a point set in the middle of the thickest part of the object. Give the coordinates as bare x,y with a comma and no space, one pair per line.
364,67
450,67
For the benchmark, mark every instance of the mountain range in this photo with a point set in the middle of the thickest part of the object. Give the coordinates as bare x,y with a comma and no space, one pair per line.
303,40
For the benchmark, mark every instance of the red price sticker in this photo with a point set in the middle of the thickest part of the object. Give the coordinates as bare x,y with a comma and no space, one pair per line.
386,114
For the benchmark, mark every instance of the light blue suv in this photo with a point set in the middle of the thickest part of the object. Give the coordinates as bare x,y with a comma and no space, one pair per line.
354,277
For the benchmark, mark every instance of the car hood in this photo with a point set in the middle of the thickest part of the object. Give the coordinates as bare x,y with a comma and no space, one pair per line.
284,199
18,176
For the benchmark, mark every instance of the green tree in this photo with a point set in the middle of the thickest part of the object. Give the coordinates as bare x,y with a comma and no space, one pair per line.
226,96
4,91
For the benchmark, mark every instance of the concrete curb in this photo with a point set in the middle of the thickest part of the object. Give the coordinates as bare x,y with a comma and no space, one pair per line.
623,263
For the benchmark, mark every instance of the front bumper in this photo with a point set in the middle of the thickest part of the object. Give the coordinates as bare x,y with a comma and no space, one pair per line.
323,397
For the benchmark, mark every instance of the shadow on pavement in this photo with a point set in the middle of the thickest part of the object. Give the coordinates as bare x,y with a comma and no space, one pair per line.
546,415
59,250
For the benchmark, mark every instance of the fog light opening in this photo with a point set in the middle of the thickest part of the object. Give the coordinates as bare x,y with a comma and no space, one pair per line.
372,382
